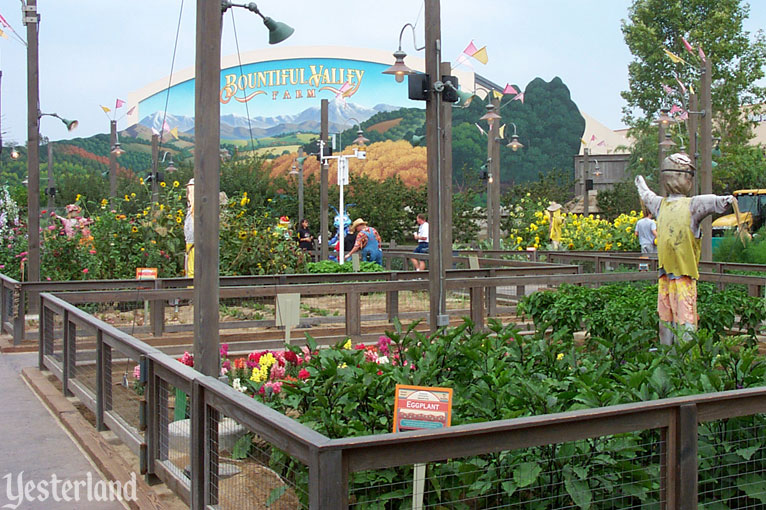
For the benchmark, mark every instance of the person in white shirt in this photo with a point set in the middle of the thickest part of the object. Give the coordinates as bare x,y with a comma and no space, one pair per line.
422,238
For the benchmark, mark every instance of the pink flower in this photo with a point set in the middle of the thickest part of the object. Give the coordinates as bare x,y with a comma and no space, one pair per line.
92,252
137,372
383,343
275,387
85,270
306,353
51,227
303,374
371,356
224,350
277,371
187,359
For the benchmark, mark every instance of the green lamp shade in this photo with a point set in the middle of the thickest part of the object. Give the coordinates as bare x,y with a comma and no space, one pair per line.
301,159
278,31
464,98
417,140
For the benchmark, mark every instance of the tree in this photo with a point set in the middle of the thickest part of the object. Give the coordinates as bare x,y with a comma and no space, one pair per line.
736,56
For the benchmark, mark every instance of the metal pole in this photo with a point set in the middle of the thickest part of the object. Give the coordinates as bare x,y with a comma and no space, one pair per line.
300,185
495,134
585,165
31,20
435,147
207,164
324,203
155,168
341,245
661,156
490,179
706,151
51,184
112,159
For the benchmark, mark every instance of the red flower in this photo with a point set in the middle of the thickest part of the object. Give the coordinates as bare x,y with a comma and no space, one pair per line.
291,357
303,374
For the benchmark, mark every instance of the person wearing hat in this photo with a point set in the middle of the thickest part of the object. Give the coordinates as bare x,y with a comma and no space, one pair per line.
189,230
555,222
367,242
679,242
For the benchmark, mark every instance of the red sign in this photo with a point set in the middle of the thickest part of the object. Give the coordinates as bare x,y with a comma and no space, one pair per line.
422,407
146,273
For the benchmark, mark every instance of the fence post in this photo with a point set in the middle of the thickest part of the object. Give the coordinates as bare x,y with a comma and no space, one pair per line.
199,475
353,313
686,455
328,481
492,296
42,337
392,299
477,307
151,435
65,358
19,319
157,312
100,380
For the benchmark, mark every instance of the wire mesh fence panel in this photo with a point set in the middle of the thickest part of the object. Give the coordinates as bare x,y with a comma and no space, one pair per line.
732,463
414,301
373,305
327,305
84,357
246,309
126,392
610,472
248,472
459,300
174,431
56,324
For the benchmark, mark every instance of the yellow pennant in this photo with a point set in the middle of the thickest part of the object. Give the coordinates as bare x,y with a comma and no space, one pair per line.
673,57
106,110
481,55
497,95
502,131
174,132
3,35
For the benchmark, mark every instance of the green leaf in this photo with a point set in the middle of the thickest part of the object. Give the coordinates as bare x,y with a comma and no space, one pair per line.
579,491
747,453
276,493
509,487
526,474
242,447
754,486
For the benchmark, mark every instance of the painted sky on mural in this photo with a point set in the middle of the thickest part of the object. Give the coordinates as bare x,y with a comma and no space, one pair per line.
94,51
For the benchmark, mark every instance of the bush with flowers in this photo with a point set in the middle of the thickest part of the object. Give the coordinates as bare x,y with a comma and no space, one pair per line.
579,232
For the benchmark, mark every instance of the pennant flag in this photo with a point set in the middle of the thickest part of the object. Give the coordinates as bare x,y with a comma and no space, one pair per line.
118,103
601,143
480,128
673,57
106,110
684,115
3,35
667,89
470,49
463,59
481,55
497,94
683,88
675,109
4,23
155,132
509,89
592,138
688,46
174,132
520,97
702,53
582,140
502,131
165,127
130,112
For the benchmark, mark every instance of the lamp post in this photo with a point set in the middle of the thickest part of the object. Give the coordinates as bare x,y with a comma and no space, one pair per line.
493,178
51,189
207,165
706,151
298,170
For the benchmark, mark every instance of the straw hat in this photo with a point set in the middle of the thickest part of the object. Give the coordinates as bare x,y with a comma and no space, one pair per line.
554,207
357,222
191,182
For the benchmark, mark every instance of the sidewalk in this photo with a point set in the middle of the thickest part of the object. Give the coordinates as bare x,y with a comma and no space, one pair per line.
34,442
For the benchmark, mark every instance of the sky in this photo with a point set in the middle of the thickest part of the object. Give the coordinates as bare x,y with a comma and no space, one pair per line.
95,51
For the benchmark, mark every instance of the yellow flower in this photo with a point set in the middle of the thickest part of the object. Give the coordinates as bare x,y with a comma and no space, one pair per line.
176,184
142,249
78,197
104,202
163,184
178,219
560,356
134,229
132,195
162,207
242,234
342,365
347,345
127,198
140,180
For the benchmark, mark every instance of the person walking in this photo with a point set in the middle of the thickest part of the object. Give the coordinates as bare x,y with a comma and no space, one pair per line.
422,238
367,242
305,238
646,231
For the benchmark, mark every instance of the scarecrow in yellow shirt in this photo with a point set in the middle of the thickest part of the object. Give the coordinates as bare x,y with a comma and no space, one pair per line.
555,222
678,242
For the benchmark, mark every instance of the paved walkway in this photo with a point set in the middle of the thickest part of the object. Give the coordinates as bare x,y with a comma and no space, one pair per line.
33,442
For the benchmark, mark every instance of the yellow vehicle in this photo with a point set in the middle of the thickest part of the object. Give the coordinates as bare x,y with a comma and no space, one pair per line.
752,208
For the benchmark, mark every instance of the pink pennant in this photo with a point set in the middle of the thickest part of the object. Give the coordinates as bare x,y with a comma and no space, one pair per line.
688,46
4,23
702,54
470,49
675,109
667,89
130,112
165,127
601,143
592,138
118,103
683,88
480,128
155,132
684,115
509,89
520,97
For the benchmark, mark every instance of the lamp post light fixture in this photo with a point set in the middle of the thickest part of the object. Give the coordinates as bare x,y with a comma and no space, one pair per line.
70,124
207,168
515,144
15,154
400,69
